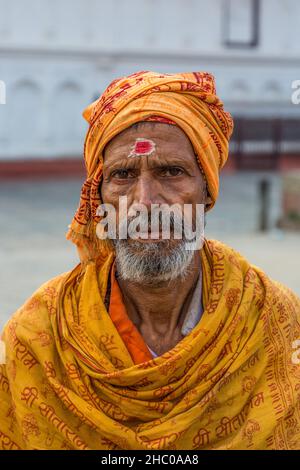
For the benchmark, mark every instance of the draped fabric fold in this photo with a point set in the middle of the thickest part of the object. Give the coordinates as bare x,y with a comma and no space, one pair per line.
69,381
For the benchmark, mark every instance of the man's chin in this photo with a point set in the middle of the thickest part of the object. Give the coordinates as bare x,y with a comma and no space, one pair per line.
152,262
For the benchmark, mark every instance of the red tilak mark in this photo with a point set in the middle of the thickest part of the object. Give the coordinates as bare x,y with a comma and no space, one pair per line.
143,146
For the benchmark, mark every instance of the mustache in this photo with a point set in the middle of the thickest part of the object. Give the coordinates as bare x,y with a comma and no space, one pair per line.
162,221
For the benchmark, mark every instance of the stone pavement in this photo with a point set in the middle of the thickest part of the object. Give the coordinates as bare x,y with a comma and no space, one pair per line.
35,216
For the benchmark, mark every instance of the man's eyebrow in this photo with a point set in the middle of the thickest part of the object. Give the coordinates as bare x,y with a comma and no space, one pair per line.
122,163
166,161
157,162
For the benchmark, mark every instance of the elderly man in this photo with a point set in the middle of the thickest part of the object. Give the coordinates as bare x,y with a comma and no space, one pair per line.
145,344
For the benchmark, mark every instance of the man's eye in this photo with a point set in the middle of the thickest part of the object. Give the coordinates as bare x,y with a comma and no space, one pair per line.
122,174
171,171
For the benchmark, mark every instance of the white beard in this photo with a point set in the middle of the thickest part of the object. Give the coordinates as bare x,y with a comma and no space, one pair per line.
154,262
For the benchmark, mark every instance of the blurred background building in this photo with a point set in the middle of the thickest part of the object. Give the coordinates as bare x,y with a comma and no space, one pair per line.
56,56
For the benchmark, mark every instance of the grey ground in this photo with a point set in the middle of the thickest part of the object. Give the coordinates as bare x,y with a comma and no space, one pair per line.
35,216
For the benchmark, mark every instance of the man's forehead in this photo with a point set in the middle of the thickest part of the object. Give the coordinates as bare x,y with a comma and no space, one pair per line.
148,139
156,130
158,158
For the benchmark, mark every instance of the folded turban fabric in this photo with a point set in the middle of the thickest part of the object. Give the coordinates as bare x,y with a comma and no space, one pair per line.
188,100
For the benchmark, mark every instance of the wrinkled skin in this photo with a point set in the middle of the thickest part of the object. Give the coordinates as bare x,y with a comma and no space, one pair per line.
171,174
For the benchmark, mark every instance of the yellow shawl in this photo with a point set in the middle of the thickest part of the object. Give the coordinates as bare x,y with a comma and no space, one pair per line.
70,383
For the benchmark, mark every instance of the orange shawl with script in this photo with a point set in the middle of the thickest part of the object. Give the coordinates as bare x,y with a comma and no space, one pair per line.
233,383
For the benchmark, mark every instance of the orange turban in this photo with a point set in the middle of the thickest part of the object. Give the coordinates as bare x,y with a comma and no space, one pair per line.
186,99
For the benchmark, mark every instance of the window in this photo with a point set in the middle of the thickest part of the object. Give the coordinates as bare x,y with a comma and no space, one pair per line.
241,23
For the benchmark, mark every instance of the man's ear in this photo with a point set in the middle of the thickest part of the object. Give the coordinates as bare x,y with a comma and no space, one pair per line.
208,202
207,199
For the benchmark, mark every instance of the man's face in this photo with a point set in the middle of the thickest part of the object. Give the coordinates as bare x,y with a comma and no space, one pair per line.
152,164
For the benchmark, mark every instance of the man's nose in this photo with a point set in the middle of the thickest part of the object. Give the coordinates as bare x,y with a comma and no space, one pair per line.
145,191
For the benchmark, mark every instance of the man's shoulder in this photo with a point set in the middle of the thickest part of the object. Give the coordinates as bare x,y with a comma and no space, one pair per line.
251,273
222,253
35,313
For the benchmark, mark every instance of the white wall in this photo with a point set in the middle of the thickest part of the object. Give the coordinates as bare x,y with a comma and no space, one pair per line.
56,55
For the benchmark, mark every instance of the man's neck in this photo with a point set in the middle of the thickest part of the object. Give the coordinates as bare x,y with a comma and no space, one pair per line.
158,311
